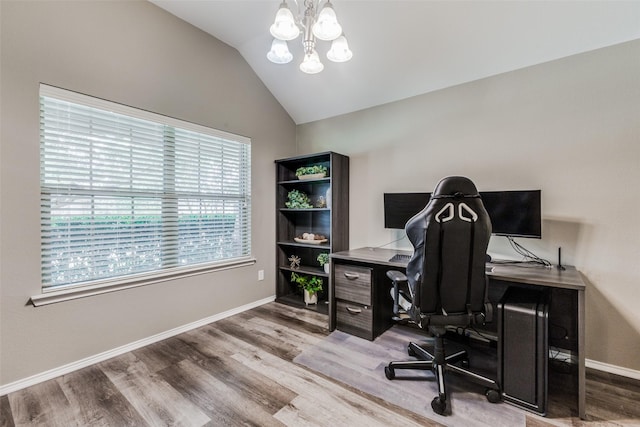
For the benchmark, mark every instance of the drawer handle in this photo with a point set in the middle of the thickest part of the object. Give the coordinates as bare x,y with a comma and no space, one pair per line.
351,276
353,310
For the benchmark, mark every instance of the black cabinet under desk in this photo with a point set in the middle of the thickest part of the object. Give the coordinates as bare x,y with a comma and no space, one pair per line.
360,304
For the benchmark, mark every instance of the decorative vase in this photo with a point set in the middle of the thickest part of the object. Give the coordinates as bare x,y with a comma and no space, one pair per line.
326,268
310,298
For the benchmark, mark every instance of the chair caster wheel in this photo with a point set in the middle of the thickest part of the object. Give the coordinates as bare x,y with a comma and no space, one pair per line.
438,405
493,396
410,351
390,373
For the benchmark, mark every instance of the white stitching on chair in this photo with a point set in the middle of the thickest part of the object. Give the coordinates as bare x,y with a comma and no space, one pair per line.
450,208
472,218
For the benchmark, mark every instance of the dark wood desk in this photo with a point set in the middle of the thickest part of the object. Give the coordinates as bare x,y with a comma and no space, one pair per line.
567,289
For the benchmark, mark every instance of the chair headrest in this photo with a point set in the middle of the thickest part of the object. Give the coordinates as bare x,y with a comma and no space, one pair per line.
455,186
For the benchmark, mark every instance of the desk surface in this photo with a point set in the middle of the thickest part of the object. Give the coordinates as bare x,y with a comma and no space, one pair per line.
533,275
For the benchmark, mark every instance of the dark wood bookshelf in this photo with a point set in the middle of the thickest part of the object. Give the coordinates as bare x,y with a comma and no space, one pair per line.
331,220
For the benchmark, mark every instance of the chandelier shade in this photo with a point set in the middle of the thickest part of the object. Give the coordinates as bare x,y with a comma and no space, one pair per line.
339,51
284,27
327,27
279,52
314,26
311,63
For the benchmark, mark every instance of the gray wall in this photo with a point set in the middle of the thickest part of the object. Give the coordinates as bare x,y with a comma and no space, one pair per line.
136,54
570,127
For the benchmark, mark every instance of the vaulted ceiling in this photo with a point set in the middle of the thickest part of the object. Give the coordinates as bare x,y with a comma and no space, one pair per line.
407,48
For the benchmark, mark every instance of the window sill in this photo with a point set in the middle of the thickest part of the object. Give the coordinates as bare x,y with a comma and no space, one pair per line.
70,293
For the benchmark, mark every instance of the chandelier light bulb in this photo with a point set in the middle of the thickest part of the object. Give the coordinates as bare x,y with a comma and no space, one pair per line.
284,27
279,53
339,51
326,26
311,63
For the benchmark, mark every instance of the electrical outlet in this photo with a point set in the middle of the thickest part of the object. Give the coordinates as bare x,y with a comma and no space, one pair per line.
260,274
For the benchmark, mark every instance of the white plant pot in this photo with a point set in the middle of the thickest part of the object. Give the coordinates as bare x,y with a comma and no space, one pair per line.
326,268
310,298
312,176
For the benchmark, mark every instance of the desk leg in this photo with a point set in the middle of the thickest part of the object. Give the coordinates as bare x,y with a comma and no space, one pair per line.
581,356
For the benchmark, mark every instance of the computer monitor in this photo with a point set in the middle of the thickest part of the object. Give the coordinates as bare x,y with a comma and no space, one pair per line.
513,213
400,207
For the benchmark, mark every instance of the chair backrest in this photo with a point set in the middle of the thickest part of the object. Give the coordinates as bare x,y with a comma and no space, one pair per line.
447,271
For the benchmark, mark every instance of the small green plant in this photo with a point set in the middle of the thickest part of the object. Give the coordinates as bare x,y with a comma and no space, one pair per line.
298,200
323,258
311,284
310,170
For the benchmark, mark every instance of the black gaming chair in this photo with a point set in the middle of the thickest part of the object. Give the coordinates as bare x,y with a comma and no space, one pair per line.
445,280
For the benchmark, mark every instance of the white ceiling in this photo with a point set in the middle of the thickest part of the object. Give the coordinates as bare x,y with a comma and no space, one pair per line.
406,48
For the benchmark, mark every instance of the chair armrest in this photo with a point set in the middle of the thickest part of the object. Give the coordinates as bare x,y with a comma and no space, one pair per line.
488,312
397,278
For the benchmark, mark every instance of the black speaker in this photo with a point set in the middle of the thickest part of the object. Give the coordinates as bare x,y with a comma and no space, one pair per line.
523,354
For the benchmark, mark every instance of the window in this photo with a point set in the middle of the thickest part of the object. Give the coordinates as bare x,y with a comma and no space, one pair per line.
126,193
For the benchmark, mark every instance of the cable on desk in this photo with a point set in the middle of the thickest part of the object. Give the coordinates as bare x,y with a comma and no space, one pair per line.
563,332
558,364
527,254
393,241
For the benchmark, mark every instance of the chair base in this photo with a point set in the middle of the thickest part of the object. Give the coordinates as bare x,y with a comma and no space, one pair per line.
439,364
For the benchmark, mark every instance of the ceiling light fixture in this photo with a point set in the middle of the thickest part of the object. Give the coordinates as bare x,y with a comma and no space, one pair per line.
324,26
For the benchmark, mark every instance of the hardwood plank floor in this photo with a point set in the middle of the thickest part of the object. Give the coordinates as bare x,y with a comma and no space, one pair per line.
240,372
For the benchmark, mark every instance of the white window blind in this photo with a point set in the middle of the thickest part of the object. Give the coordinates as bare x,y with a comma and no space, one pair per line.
125,192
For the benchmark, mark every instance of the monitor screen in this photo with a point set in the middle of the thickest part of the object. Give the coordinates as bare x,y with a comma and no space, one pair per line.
400,207
512,213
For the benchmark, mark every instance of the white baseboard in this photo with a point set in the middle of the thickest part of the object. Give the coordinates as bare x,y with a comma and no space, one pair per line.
594,364
613,369
74,366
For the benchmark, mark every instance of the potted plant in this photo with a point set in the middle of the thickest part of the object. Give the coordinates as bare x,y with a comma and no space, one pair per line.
311,172
298,200
311,285
323,259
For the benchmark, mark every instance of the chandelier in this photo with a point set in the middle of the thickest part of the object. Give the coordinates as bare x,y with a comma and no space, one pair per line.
324,26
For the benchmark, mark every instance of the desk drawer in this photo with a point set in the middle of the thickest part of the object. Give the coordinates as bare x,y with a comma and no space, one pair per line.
355,319
353,283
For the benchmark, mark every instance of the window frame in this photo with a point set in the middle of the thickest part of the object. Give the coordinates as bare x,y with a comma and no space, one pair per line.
57,293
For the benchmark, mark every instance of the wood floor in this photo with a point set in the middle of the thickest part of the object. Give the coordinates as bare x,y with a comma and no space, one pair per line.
240,372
